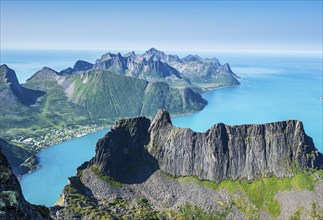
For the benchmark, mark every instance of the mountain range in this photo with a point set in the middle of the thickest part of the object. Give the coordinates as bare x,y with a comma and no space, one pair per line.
155,65
85,97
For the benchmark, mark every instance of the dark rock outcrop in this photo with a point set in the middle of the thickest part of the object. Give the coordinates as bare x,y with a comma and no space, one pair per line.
9,81
222,152
17,156
122,147
12,203
80,65
121,153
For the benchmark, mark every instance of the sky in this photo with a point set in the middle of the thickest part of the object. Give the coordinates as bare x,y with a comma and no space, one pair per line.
167,25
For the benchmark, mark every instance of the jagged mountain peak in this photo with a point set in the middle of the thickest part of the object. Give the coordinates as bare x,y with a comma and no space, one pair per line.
8,75
156,65
192,58
82,65
130,54
9,82
46,71
154,51
226,68
4,67
162,119
107,56
46,68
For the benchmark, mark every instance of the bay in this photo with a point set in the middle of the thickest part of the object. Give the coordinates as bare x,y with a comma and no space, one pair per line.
58,162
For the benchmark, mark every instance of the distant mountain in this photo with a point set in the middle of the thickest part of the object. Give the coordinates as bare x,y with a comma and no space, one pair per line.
91,95
192,71
52,100
78,66
11,91
150,67
146,169
108,95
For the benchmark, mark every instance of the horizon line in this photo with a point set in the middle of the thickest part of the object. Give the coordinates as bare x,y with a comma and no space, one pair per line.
275,51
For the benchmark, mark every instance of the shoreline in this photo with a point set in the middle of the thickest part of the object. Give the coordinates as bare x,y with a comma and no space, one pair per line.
38,165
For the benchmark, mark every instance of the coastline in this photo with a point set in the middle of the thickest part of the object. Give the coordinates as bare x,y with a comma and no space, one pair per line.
38,164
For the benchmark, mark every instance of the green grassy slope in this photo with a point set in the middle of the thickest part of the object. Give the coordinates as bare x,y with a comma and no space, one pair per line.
82,102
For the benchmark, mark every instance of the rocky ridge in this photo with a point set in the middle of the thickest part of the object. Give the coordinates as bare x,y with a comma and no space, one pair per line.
12,203
179,171
232,152
222,152
193,71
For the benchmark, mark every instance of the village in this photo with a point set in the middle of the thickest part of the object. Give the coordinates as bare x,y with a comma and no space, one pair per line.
55,136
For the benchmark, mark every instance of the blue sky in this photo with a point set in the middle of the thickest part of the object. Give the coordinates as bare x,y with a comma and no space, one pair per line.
167,25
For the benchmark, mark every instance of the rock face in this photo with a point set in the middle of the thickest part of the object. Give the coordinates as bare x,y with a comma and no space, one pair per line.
12,203
138,160
123,147
237,152
11,91
223,152
80,65
155,65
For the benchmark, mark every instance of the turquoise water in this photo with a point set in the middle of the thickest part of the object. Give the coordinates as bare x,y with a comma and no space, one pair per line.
273,88
58,162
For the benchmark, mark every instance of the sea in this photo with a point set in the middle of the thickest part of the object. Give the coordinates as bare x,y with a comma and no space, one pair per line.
274,87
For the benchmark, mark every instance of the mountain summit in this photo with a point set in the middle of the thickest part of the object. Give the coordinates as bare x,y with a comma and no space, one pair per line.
154,170
154,65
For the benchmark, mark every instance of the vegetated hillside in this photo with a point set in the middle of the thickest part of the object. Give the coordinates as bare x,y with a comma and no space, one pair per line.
21,160
52,107
55,106
18,104
108,95
153,170
12,203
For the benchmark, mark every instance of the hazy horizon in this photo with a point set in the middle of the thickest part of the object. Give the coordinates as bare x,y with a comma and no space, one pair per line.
206,26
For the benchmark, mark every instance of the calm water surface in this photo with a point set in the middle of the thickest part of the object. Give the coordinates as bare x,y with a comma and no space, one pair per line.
58,162
273,88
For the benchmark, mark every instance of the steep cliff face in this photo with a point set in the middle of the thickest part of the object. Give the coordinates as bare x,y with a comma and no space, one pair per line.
132,173
12,93
12,203
122,148
224,152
